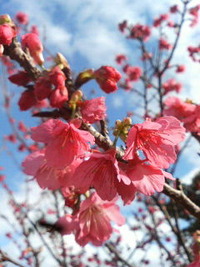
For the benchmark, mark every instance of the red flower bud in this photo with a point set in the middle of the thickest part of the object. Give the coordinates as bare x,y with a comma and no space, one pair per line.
107,78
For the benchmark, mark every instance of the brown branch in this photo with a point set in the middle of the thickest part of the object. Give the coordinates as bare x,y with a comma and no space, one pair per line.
4,257
182,199
118,257
15,52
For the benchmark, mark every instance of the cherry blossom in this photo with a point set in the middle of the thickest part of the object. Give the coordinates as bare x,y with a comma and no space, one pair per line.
7,33
157,140
100,171
107,78
92,222
64,142
93,110
140,32
172,85
35,47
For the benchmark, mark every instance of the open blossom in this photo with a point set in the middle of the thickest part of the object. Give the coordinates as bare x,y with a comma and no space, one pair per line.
47,177
64,142
100,171
157,140
92,222
107,78
145,178
93,110
172,85
34,45
141,32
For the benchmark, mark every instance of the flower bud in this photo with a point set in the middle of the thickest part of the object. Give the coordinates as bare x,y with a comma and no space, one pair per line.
5,19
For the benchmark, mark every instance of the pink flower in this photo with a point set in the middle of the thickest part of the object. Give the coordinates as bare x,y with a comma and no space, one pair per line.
145,178
47,177
27,100
172,85
35,47
34,29
160,20
42,88
192,122
21,78
92,222
52,86
7,33
101,171
194,11
194,264
93,110
120,59
194,52
134,73
57,77
180,68
164,45
58,97
64,142
107,78
122,26
157,140
22,18
141,32
174,9
174,106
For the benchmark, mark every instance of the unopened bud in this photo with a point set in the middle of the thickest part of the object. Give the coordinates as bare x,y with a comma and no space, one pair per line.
117,123
61,61
5,19
127,121
122,128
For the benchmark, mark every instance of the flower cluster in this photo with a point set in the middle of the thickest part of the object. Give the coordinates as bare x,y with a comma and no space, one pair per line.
172,85
67,161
